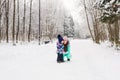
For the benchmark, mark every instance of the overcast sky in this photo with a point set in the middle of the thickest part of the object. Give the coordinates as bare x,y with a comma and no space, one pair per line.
75,7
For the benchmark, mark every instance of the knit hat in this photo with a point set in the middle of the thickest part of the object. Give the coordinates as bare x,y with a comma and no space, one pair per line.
60,38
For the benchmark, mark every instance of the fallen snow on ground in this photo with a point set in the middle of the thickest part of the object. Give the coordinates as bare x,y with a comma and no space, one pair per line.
33,62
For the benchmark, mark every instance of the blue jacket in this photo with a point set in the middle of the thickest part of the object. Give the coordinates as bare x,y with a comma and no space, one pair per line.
60,48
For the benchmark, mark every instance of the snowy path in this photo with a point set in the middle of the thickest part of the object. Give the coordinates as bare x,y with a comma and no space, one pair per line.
33,62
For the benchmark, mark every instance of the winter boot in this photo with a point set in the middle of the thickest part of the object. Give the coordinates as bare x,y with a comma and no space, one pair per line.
68,59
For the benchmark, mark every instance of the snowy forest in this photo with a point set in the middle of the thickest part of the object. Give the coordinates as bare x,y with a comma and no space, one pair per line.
59,39
29,20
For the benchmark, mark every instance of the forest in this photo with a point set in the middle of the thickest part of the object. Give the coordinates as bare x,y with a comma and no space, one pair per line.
59,39
43,20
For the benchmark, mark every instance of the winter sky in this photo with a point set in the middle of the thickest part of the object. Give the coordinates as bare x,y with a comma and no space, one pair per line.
74,8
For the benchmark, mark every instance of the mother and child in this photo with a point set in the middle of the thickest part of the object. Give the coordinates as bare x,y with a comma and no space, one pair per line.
63,49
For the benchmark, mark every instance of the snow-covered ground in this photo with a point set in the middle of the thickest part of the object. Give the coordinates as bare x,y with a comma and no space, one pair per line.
33,62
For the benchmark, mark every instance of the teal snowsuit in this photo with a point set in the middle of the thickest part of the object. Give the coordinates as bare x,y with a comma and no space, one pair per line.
67,53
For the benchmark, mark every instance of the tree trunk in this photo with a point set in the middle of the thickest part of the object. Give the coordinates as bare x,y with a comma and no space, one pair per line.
0,20
17,35
29,32
39,21
0,35
7,20
24,21
111,34
88,20
2,4
96,31
116,37
13,32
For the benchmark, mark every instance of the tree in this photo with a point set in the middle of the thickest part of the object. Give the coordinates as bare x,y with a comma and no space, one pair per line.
39,21
29,32
110,15
13,31
68,27
24,21
7,20
0,19
88,20
17,34
97,28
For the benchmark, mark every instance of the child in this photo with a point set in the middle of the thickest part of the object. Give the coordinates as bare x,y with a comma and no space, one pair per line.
60,49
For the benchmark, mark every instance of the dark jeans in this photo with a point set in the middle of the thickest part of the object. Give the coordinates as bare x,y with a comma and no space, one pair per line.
60,57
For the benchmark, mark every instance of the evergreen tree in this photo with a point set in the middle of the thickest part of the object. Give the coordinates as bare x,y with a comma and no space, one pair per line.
68,27
110,10
110,15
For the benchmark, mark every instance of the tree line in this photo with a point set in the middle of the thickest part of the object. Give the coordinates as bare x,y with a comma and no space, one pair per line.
105,18
10,25
22,21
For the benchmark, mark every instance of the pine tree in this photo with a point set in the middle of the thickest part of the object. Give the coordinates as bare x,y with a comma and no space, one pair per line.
111,16
110,10
68,27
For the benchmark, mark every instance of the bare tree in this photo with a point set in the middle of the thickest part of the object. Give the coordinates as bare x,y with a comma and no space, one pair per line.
94,15
116,37
2,3
110,33
29,32
13,31
88,20
17,34
51,29
39,21
7,20
24,21
0,20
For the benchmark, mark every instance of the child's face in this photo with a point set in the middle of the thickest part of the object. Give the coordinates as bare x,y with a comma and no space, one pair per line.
62,42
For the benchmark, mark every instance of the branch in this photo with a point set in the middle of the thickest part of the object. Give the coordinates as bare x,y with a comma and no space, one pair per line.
2,4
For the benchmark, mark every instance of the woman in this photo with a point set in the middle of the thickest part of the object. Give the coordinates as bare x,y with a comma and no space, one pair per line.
66,44
60,49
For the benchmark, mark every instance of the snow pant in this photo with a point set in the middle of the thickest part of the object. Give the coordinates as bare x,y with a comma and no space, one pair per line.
60,57
68,56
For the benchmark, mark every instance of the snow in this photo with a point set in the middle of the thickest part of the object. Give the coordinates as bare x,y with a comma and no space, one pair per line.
107,6
112,1
33,62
